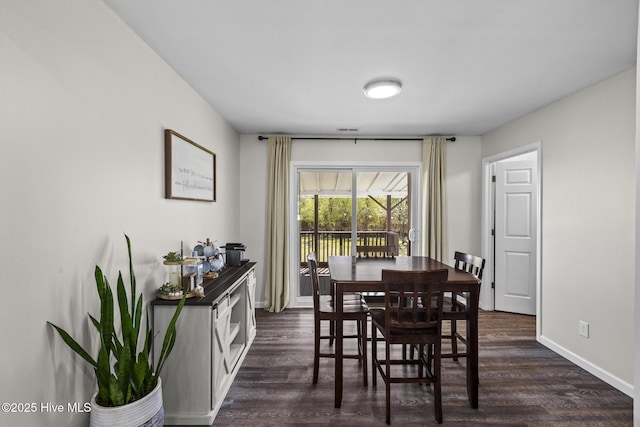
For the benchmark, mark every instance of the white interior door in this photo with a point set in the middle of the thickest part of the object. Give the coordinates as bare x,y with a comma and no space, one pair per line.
515,236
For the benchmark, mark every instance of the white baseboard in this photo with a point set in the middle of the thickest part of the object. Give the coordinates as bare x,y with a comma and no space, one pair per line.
605,376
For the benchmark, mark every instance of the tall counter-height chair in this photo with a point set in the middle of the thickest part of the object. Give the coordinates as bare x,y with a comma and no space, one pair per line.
455,307
412,316
324,310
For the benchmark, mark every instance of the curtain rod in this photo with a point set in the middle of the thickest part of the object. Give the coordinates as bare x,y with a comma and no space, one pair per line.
355,138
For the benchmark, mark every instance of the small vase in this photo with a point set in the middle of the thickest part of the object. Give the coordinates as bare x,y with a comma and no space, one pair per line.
146,412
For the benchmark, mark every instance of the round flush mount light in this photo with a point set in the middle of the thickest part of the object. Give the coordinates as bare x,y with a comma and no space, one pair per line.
383,88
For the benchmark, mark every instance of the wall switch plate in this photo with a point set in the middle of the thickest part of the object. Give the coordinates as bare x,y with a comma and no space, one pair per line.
583,329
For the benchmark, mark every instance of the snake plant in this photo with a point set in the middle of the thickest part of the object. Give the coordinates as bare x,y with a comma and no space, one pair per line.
124,372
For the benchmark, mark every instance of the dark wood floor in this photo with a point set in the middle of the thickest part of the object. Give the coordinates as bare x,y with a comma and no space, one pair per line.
522,383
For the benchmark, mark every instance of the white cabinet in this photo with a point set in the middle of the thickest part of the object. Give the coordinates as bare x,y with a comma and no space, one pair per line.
213,336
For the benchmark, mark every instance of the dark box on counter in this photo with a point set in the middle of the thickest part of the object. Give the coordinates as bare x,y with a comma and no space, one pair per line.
234,253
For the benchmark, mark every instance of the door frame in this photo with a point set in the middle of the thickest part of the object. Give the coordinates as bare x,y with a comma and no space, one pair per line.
295,300
487,293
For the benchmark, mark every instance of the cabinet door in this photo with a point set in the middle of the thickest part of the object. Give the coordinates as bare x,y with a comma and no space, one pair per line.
221,360
251,310
186,374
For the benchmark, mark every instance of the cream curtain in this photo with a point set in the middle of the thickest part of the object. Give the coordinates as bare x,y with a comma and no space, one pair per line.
434,198
277,268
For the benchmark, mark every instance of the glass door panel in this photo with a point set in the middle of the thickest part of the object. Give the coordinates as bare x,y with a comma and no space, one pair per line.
324,221
383,213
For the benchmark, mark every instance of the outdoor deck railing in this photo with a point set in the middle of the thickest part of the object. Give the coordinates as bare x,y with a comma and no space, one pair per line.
329,243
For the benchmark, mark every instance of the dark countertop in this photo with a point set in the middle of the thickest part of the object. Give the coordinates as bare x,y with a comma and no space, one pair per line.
213,288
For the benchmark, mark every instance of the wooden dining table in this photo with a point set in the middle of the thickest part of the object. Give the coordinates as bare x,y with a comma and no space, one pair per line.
361,274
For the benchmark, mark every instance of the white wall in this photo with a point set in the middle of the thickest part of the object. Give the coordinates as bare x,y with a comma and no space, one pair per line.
463,178
253,205
464,196
83,106
588,212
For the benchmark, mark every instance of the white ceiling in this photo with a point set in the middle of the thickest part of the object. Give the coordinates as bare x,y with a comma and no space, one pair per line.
467,66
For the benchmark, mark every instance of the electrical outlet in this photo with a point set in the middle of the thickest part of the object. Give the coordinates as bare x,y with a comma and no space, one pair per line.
583,329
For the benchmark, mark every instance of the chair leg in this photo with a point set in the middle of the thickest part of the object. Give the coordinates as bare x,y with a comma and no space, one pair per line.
387,380
437,388
454,340
421,366
374,355
359,333
332,326
316,351
362,324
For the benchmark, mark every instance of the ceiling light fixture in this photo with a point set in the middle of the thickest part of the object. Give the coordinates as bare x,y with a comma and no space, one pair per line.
384,88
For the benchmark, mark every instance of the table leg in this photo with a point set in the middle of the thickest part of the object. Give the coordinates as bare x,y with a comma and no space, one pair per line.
472,349
339,305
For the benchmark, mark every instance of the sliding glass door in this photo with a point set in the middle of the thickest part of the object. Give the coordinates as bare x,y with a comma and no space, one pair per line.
363,211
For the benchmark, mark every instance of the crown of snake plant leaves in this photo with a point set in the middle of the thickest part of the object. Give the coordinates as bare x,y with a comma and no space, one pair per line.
124,373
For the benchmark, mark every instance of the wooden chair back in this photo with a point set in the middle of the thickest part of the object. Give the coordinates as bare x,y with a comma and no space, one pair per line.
413,301
469,263
387,249
313,274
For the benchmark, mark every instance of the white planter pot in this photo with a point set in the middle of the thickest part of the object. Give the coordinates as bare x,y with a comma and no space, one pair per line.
147,412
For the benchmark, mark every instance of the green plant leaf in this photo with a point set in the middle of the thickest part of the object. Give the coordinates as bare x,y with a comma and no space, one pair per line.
125,317
141,371
147,356
138,317
137,321
73,344
103,377
123,371
117,345
99,282
170,336
132,278
148,339
106,315
116,397
95,322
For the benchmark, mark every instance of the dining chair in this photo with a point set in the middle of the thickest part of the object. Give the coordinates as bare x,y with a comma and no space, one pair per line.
387,248
412,315
348,299
455,305
354,309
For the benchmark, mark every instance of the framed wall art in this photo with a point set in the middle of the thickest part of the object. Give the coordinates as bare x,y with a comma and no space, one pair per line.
190,169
